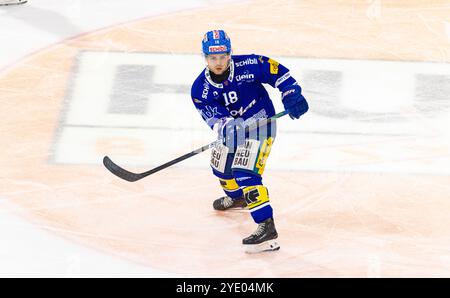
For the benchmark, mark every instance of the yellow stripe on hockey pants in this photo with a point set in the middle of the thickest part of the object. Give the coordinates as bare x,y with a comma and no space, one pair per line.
229,184
231,188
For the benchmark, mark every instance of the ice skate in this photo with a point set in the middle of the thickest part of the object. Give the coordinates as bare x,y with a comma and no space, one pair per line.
226,202
263,239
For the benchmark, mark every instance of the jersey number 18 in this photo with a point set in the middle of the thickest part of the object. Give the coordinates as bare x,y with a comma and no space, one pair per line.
230,98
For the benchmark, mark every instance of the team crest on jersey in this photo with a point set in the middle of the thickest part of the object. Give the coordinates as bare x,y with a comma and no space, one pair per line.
273,66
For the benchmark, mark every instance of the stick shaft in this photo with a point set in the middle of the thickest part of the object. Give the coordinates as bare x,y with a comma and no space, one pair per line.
130,176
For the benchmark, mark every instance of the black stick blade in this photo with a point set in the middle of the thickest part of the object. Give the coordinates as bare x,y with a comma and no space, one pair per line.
120,172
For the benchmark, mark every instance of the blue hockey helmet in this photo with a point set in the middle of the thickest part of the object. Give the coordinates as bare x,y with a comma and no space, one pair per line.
216,42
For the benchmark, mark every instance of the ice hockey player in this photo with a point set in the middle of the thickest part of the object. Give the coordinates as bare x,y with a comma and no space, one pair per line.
230,96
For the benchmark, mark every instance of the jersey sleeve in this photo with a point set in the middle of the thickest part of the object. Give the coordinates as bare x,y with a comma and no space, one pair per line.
210,110
274,73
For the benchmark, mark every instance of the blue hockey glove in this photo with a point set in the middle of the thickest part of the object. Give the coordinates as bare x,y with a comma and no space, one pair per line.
294,101
231,131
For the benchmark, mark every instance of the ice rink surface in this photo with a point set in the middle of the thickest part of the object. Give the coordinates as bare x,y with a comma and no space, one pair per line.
360,185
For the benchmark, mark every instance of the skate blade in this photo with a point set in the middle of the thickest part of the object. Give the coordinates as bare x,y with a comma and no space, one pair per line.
270,245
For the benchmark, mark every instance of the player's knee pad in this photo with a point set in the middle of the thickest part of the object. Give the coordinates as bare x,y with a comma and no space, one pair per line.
252,155
257,199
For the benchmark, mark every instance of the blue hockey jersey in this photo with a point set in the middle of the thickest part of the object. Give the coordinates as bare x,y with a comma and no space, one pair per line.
242,94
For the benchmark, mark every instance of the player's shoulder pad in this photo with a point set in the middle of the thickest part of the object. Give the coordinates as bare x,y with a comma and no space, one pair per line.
262,59
270,64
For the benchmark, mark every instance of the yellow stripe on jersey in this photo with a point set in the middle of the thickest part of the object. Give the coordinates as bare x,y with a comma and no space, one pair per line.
229,184
255,196
263,155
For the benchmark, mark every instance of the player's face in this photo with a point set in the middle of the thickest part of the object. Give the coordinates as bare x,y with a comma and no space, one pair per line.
218,63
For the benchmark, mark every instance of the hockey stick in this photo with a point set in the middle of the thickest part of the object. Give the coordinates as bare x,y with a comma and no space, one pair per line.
129,176
6,3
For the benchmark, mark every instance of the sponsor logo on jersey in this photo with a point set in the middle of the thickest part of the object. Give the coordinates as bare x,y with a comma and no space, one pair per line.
242,111
282,79
222,48
247,61
245,76
205,90
209,112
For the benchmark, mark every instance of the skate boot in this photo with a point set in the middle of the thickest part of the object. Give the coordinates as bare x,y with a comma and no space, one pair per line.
263,239
226,202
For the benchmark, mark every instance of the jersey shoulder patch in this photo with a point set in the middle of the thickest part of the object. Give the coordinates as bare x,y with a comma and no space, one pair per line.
273,65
